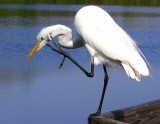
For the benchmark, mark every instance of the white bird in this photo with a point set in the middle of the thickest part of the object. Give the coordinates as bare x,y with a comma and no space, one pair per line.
107,43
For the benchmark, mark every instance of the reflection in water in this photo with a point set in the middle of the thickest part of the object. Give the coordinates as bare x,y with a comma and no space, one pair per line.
37,92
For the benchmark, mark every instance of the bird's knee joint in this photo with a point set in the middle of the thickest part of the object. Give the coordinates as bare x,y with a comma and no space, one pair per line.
90,75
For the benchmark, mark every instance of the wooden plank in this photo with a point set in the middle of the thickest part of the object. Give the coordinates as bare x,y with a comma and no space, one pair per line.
104,120
147,113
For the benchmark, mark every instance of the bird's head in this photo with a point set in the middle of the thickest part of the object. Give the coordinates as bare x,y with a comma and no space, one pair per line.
47,34
42,38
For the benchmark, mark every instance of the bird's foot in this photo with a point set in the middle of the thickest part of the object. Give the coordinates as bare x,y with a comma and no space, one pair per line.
92,115
60,51
62,62
65,55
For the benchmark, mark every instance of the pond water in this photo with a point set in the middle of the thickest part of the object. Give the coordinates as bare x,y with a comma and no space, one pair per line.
39,92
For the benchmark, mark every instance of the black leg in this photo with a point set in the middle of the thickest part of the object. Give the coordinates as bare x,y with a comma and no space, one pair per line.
66,55
102,97
89,74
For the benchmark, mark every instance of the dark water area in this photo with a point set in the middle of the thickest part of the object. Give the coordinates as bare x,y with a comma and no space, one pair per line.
39,92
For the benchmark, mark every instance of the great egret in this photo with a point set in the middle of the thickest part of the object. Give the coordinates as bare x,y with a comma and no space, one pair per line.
107,43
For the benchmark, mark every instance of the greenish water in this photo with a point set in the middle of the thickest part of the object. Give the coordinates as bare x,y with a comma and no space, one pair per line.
99,2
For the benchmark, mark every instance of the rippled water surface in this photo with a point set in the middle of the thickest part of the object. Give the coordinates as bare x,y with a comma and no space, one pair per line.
39,92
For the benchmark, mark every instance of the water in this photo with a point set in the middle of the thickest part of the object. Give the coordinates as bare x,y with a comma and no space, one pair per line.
38,92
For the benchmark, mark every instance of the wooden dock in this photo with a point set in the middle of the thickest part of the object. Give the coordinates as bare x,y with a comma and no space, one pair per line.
147,113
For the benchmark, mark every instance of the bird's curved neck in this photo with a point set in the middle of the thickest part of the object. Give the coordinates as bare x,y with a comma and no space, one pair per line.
65,36
58,30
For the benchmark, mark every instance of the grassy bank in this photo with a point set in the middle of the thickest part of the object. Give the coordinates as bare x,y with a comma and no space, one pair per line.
99,2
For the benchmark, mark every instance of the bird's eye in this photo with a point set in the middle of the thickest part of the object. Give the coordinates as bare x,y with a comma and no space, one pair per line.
42,38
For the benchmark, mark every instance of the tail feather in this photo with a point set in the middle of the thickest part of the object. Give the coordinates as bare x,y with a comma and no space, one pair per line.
131,73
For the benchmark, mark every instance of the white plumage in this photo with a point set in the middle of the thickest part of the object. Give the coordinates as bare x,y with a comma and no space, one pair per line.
106,42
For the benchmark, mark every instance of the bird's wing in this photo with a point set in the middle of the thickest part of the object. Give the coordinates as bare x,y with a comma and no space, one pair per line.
111,41
114,43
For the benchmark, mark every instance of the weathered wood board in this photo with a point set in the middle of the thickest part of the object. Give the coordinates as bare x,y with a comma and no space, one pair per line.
147,113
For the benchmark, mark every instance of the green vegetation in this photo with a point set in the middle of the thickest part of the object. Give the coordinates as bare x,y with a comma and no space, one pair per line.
33,13
99,2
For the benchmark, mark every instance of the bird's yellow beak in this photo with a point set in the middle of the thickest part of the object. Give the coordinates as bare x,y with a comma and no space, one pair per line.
37,47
